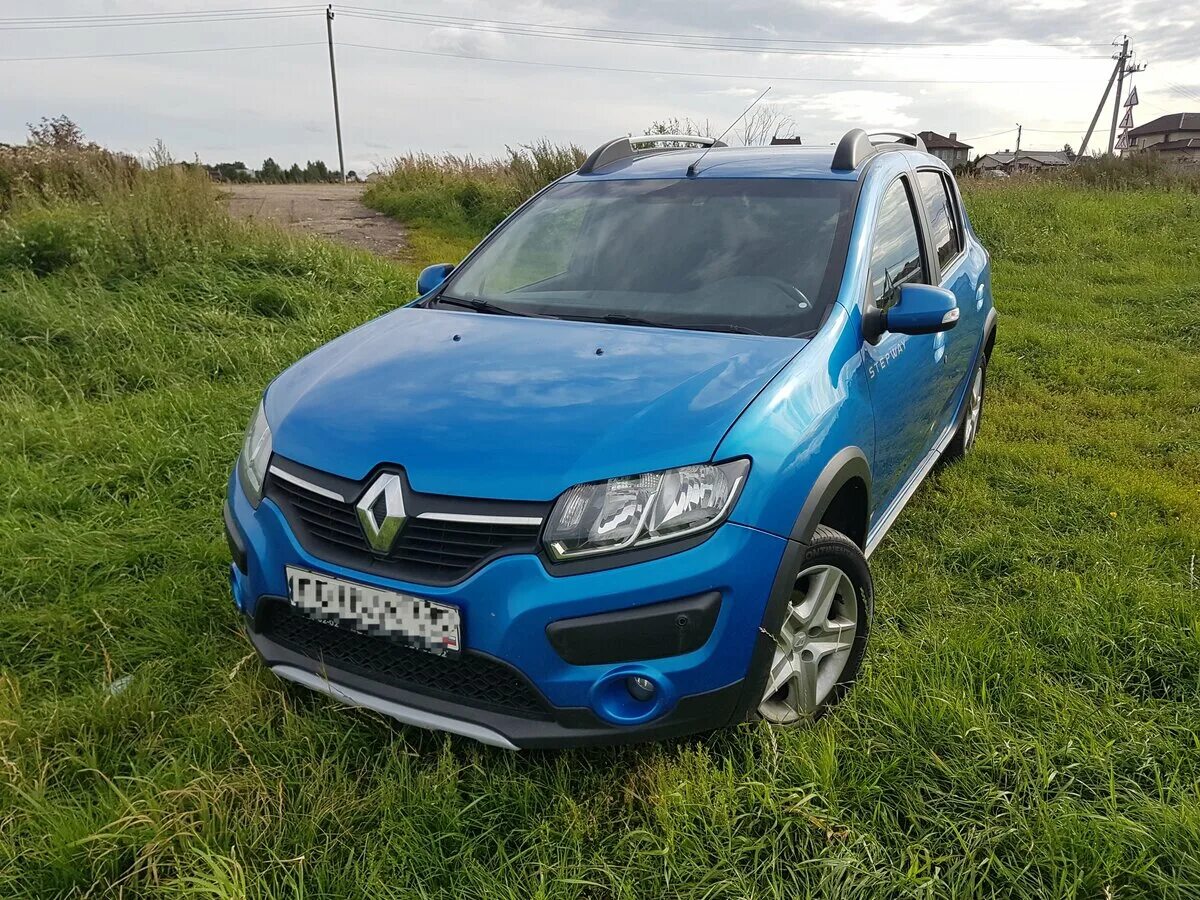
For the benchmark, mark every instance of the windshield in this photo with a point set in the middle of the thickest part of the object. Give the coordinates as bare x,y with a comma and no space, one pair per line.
763,255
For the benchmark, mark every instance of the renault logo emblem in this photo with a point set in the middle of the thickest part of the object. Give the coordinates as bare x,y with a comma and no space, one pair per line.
381,512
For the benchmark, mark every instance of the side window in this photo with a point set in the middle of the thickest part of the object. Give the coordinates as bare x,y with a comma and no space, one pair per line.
939,211
896,251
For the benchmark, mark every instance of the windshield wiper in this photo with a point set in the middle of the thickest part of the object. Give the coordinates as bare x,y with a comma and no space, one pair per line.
726,327
483,306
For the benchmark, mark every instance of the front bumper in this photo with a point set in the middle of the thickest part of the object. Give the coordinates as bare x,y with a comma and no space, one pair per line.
506,608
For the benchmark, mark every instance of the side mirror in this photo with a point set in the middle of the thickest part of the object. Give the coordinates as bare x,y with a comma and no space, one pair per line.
920,309
432,276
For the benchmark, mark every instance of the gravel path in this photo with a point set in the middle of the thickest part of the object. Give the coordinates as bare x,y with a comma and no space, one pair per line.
330,210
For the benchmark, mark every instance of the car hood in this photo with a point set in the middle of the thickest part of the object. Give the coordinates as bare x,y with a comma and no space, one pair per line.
515,408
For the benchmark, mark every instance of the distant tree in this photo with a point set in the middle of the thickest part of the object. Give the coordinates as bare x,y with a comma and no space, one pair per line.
352,175
295,175
270,173
762,124
60,133
231,171
1069,151
679,126
970,167
316,171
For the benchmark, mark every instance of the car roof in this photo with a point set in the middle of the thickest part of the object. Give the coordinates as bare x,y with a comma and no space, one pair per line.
778,161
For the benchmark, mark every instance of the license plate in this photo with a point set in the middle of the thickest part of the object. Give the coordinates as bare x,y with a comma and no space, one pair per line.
419,623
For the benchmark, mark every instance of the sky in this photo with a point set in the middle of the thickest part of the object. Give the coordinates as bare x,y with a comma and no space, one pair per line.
976,69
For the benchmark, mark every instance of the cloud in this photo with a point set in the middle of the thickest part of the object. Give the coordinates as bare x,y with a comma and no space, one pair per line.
276,102
469,42
874,109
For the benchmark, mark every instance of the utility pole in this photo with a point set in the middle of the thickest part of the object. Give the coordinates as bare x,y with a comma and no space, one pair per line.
1121,60
1099,107
337,115
1018,153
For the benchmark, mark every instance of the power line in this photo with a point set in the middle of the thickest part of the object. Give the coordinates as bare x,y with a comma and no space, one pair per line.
1071,129
725,75
154,15
529,62
674,40
1185,92
174,21
671,34
159,52
984,137
689,43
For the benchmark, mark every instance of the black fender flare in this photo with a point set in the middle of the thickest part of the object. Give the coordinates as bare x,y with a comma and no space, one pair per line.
847,463
989,332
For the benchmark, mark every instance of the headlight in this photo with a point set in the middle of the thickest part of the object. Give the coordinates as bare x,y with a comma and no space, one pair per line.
256,453
622,513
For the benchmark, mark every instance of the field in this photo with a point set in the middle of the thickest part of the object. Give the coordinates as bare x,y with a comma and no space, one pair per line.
1026,725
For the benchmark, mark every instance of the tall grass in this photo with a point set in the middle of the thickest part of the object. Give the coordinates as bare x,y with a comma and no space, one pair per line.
83,172
1137,171
135,221
464,195
1025,726
1132,172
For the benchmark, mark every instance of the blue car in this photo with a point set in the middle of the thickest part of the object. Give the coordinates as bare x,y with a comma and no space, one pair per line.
616,476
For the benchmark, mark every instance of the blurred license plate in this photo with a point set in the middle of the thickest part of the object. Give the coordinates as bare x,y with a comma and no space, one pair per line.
410,620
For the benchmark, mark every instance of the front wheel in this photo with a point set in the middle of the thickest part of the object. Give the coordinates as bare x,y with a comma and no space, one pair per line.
820,644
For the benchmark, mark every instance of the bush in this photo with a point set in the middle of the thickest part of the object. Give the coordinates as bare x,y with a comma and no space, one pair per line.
45,240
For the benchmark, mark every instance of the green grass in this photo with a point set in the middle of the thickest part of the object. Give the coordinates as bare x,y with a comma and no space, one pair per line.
1026,725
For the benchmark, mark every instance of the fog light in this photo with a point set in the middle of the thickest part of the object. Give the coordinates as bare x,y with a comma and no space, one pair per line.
640,688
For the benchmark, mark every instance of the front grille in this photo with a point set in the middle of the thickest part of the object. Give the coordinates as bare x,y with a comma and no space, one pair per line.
471,679
427,550
449,548
325,519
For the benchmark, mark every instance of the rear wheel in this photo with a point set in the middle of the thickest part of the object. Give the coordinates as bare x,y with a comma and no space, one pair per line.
968,428
820,644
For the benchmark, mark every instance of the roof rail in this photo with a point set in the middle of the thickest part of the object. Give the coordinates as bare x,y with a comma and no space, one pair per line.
902,137
623,148
852,151
856,146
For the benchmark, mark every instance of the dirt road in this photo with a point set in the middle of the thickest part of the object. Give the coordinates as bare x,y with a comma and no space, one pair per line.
330,210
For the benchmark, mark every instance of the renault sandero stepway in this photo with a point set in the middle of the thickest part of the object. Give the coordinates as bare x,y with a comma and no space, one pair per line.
616,476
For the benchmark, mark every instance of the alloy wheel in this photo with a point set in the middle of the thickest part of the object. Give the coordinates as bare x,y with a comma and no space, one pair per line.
813,645
974,409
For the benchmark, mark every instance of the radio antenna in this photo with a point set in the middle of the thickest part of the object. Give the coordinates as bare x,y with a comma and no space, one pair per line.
691,170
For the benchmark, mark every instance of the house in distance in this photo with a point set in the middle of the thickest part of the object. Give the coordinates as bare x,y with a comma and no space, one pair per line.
948,148
1175,137
1024,161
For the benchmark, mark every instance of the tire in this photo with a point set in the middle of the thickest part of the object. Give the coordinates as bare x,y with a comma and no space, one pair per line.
972,415
822,639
